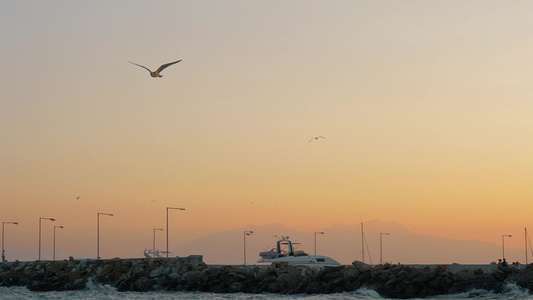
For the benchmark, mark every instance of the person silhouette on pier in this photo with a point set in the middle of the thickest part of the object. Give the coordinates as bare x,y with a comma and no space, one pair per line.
504,263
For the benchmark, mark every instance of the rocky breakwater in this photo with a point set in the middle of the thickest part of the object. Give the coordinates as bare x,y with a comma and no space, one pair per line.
178,274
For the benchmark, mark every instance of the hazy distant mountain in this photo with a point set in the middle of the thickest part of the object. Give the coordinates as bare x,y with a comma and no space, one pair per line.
343,243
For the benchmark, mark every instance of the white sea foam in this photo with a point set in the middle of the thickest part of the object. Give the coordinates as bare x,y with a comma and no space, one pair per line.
97,292
99,287
511,291
365,293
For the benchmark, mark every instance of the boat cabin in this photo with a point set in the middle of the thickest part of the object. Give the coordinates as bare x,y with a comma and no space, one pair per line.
284,247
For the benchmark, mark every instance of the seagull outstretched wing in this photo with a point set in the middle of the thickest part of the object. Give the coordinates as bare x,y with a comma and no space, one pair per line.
166,65
141,66
317,137
156,74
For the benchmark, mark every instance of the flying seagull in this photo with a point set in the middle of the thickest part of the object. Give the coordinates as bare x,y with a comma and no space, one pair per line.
316,138
78,198
156,73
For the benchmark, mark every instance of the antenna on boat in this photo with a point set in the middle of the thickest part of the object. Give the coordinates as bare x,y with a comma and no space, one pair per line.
367,250
362,241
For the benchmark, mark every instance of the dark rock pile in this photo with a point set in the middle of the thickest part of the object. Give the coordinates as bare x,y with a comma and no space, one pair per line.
395,281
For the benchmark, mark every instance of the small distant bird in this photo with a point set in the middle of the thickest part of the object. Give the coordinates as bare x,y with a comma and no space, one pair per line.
316,138
156,73
78,198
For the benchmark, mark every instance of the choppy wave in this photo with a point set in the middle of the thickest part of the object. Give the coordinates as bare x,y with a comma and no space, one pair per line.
511,291
96,291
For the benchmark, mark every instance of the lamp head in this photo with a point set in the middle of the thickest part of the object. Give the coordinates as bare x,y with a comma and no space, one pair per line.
53,220
16,223
61,226
176,208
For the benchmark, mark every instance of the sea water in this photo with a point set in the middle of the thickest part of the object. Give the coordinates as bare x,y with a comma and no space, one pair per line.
97,291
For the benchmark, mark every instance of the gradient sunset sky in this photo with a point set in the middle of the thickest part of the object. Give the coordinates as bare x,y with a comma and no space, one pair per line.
426,107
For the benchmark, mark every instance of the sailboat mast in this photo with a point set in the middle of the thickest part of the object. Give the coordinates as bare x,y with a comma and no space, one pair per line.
362,242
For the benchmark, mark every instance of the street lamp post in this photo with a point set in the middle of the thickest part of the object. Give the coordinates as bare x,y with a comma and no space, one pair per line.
503,244
381,246
55,239
318,232
246,232
153,248
98,232
3,250
40,219
178,208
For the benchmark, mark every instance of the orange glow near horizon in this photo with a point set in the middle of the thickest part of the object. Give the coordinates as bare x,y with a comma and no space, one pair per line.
426,114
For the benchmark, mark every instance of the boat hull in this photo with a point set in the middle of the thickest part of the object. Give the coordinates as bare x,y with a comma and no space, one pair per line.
311,261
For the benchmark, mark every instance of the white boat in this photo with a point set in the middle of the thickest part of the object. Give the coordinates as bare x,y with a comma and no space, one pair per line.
286,253
149,253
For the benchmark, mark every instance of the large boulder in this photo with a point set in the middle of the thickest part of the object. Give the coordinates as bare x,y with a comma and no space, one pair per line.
143,284
236,287
525,279
156,272
463,275
361,266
